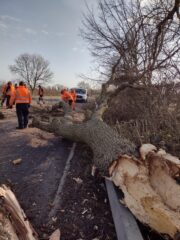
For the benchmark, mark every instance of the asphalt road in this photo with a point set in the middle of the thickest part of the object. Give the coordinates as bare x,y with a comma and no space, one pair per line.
35,180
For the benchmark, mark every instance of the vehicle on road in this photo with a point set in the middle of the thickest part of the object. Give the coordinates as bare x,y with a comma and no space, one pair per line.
81,94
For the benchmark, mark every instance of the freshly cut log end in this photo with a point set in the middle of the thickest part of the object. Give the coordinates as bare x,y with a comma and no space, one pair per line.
150,193
14,224
161,179
145,149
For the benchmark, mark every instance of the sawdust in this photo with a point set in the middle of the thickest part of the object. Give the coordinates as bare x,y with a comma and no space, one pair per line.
37,138
78,117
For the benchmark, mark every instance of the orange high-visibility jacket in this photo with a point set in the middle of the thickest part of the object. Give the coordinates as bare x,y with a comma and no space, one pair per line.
66,96
11,90
21,95
73,94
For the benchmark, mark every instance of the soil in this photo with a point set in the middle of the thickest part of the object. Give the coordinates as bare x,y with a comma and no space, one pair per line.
84,212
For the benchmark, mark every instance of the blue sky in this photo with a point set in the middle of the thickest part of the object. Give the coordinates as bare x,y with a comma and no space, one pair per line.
49,28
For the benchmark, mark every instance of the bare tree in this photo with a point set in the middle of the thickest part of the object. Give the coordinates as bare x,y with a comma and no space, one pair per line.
134,38
84,85
32,69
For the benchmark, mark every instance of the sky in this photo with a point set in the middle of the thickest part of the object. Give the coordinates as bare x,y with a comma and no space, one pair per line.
49,28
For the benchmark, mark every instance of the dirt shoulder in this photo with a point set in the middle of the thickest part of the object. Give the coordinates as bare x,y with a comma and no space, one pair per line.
84,213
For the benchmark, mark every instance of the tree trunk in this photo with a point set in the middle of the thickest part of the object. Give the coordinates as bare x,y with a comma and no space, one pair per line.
13,222
105,143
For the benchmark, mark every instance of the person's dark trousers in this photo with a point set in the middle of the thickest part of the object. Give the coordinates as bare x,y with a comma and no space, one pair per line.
4,97
41,98
8,100
22,111
70,102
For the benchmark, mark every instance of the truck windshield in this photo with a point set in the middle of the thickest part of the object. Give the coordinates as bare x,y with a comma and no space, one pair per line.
80,90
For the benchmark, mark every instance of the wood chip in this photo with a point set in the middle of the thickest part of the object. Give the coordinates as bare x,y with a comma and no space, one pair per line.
17,161
56,235
78,180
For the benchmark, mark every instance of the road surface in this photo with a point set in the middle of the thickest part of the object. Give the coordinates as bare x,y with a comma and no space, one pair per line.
35,180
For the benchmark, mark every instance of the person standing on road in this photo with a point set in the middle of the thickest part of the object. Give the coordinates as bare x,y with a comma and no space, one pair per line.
4,96
7,90
22,98
41,94
74,97
66,96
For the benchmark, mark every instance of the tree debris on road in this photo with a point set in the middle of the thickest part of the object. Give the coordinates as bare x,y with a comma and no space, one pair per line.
14,224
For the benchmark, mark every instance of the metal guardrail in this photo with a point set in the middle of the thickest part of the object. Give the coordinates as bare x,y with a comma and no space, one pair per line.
125,223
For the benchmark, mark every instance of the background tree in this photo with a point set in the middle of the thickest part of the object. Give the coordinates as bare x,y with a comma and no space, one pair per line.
33,69
84,85
136,39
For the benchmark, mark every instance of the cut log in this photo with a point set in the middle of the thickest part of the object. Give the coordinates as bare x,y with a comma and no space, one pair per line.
14,224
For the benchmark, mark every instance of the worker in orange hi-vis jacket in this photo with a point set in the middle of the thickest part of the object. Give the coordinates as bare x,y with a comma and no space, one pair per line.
22,98
4,96
74,97
7,91
66,96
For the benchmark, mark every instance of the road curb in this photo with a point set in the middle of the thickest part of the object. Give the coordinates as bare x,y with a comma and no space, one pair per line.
57,199
125,224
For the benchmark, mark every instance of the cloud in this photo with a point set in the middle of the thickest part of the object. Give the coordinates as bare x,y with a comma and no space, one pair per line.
30,31
45,32
3,26
9,18
84,50
8,24
75,49
45,25
60,34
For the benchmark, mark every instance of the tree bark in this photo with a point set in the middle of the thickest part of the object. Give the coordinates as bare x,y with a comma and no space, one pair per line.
105,143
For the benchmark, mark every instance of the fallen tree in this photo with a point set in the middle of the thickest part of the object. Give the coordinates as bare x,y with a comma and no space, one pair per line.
146,179
103,140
